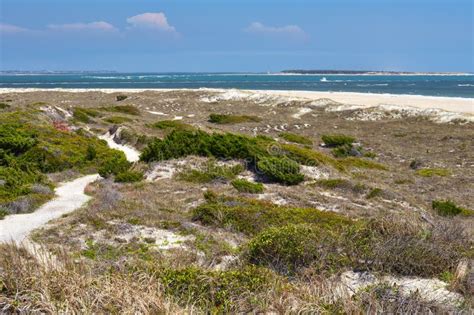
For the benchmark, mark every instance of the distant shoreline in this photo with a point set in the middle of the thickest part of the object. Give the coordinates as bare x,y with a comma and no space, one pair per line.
450,104
284,72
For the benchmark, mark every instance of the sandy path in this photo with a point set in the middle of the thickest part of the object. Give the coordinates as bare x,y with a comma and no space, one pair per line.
69,197
131,153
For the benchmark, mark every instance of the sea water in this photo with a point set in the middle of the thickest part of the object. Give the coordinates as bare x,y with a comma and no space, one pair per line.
434,85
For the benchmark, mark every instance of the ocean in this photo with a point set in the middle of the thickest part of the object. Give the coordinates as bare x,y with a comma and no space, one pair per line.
432,85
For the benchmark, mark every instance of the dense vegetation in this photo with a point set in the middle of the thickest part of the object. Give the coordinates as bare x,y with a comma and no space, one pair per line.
210,172
30,149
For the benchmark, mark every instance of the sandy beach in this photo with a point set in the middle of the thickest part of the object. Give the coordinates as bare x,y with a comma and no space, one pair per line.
361,100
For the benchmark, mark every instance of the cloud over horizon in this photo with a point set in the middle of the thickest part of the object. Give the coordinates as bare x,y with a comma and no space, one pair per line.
12,29
151,21
92,26
291,31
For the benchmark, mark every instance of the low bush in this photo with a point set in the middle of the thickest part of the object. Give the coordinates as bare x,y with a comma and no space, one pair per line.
214,291
117,120
121,97
335,140
84,114
333,183
288,248
374,192
306,156
114,165
129,176
244,186
232,119
251,216
446,208
281,169
210,172
4,105
430,172
292,137
346,150
125,109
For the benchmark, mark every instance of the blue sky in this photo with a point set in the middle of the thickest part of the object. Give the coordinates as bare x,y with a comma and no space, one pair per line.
228,35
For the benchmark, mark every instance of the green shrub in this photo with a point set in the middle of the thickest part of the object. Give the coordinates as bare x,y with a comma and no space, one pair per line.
291,247
370,154
243,185
79,115
125,109
306,156
15,139
251,216
114,165
210,172
346,150
336,140
374,192
84,114
121,97
129,176
281,169
4,105
214,291
292,137
446,208
430,172
170,125
232,119
117,120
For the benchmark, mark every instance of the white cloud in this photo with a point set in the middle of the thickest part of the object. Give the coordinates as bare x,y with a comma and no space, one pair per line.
12,29
93,26
154,21
293,31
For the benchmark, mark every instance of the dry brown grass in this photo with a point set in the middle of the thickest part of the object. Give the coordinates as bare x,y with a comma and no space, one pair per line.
28,287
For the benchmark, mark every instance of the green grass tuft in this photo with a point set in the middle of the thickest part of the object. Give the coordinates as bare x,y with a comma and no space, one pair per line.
232,119
117,120
129,176
336,140
430,172
292,137
244,186
124,109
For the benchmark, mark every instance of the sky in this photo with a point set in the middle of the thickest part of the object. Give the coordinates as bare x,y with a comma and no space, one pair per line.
240,36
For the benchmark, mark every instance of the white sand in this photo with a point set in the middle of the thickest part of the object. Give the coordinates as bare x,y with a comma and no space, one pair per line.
131,153
452,104
69,197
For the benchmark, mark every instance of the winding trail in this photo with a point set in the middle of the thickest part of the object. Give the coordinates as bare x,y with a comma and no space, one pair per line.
69,197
